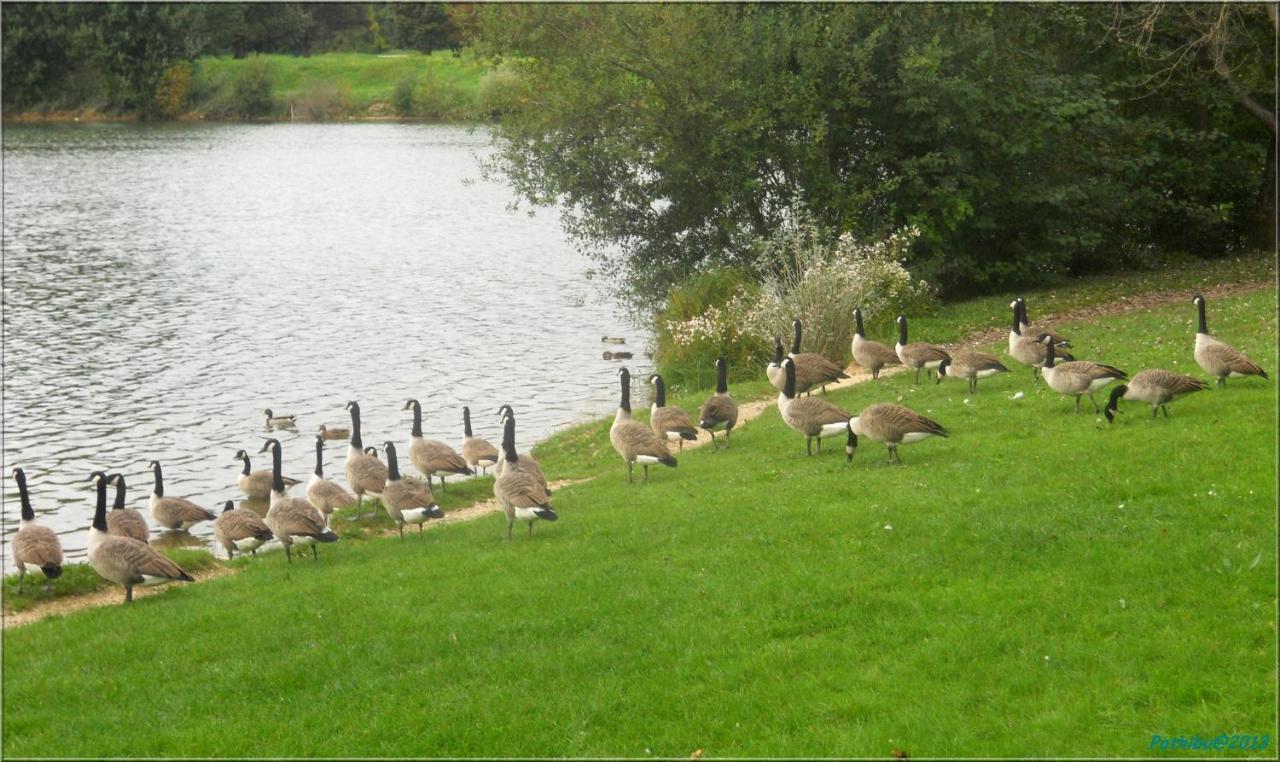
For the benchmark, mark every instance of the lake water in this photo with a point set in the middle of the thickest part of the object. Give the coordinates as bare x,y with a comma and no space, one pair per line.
164,284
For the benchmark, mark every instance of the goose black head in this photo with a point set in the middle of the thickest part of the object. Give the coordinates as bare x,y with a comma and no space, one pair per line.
353,406
269,445
851,442
371,451
410,404
241,455
98,475
230,505
942,369
1113,404
777,351
267,412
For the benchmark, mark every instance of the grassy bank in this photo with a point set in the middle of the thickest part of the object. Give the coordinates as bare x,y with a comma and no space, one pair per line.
330,86
1040,583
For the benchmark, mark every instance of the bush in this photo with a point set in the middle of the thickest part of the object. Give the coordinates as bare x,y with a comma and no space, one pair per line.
251,90
811,275
173,91
402,99
437,99
501,91
703,319
320,101
802,271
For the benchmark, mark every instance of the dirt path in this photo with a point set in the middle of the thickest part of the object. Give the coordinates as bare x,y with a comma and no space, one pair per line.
747,412
108,596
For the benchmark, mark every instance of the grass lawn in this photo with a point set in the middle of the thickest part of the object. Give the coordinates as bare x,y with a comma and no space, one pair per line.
1039,583
362,79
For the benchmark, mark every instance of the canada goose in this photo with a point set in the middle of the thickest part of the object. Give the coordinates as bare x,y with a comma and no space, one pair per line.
371,451
871,355
617,355
325,495
526,460
892,425
813,417
35,544
291,519
334,433
1074,379
919,356
408,501
1026,326
240,529
970,366
1027,349
256,485
1217,359
519,492
124,560
669,421
477,452
280,421
812,369
1157,388
365,473
773,371
122,521
634,441
719,411
431,456
612,340
173,513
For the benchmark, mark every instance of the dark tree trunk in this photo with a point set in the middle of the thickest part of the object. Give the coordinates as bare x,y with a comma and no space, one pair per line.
1264,234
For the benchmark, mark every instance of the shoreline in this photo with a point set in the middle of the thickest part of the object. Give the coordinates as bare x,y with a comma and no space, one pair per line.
93,116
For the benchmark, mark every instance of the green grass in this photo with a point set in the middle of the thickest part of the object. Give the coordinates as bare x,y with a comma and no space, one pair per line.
365,81
1040,583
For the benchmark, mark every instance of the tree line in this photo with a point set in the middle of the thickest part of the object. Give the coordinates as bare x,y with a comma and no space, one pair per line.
1023,141
115,54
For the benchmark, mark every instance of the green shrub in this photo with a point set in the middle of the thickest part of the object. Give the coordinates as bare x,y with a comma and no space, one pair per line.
402,99
174,89
319,101
251,90
437,98
704,319
501,90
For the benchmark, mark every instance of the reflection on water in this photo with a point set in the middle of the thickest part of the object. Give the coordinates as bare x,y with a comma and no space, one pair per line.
165,284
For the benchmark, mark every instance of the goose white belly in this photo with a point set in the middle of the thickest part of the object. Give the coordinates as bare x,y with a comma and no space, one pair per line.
526,514
984,373
302,540
932,364
1098,383
673,435
833,429
647,459
184,526
149,581
247,544
416,515
915,436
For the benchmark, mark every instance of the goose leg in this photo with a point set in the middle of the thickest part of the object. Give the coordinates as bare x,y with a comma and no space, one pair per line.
510,520
128,593
726,438
630,467
1077,403
22,576
808,445
646,473
1096,409
917,375
1154,408
421,527
400,526
531,529
1165,408
1035,375
819,444
288,553
315,554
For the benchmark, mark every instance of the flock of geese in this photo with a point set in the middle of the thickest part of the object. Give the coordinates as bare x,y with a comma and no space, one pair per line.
118,539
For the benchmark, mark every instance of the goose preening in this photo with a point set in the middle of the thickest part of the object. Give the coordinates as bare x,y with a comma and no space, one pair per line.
720,411
1026,326
325,495
617,355
33,544
122,521
365,473
293,520
918,355
124,560
1220,360
431,456
812,369
1074,379
634,441
1155,387
408,501
970,366
176,514
477,452
773,371
891,425
240,529
1028,350
669,421
334,433
813,417
871,355
612,340
519,492
526,460
280,421
256,485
